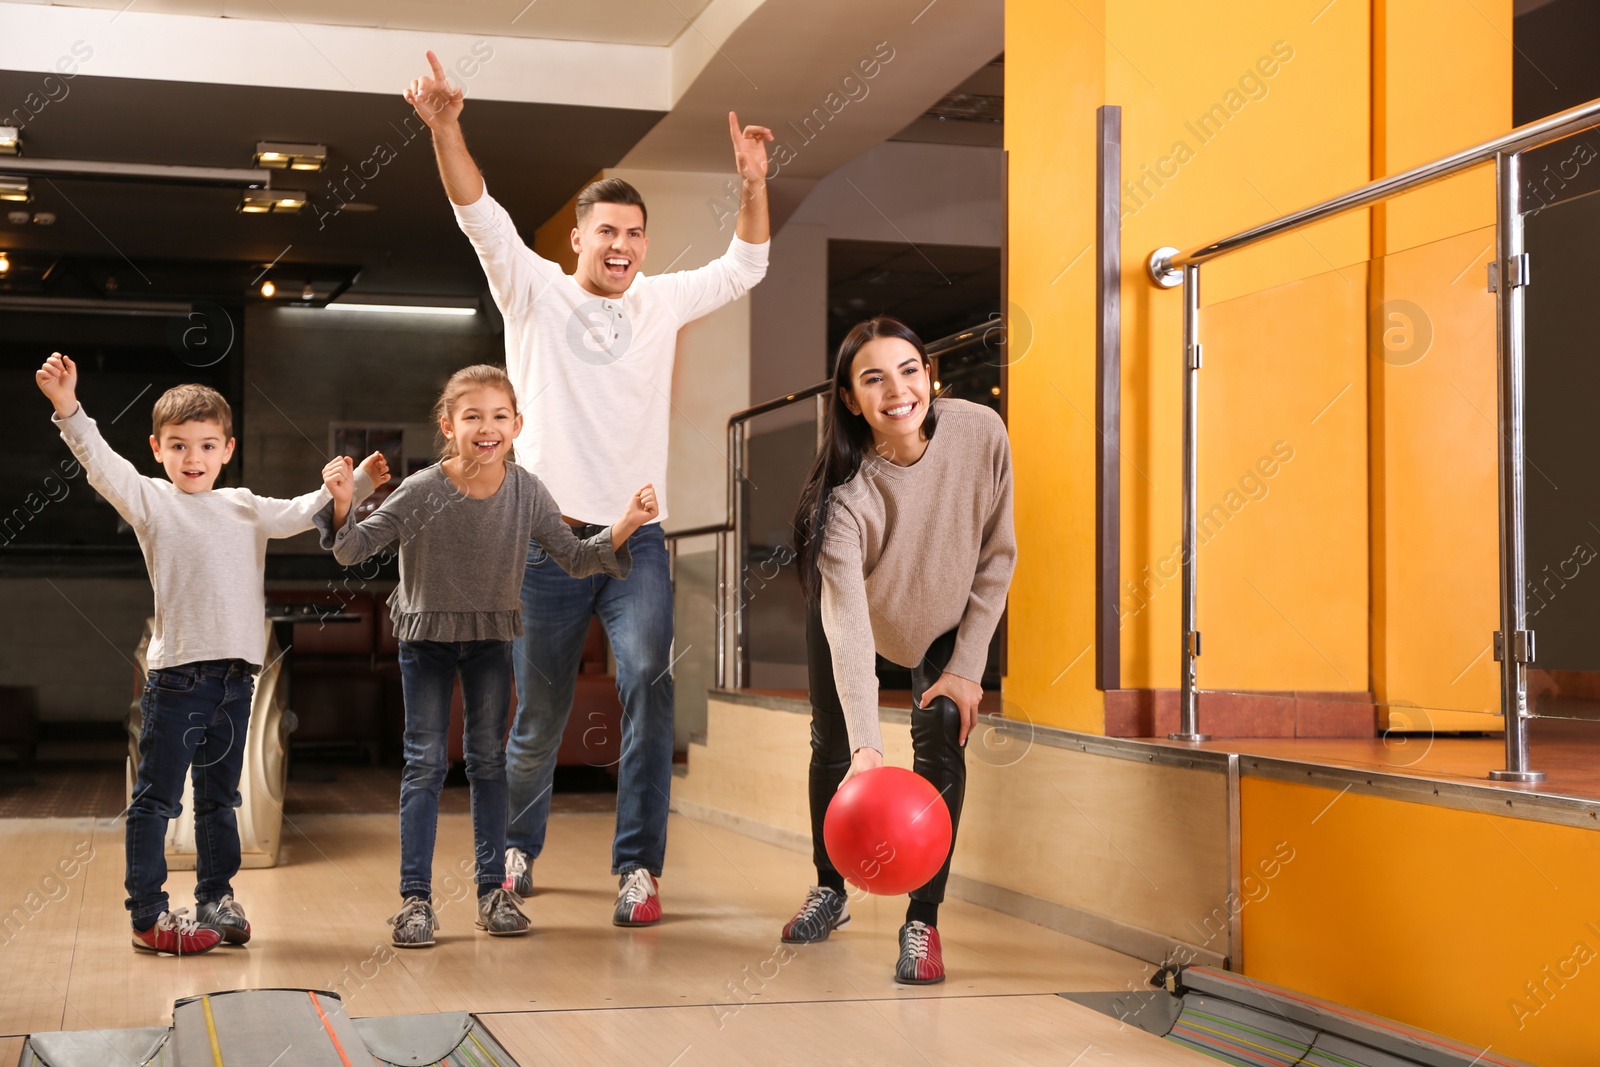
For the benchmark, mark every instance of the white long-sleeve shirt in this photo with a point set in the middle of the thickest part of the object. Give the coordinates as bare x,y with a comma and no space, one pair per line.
594,374
206,552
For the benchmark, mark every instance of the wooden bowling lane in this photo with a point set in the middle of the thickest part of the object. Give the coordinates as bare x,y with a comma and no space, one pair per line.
319,922
45,883
996,1031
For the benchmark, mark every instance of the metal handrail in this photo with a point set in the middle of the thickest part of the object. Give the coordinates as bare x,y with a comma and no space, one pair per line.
695,531
730,607
1166,264
1170,268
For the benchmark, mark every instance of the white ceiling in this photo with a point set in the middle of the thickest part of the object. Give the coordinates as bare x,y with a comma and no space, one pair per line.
644,22
278,53
788,59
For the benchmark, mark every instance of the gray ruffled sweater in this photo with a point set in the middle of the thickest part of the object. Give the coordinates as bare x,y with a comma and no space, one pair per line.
461,558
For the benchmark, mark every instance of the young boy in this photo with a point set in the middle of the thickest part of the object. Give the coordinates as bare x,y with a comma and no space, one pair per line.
206,552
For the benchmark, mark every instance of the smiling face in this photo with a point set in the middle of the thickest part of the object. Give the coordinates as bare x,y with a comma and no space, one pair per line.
611,244
889,387
192,453
482,425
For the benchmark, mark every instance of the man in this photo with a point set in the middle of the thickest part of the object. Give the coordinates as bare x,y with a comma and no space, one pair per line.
591,355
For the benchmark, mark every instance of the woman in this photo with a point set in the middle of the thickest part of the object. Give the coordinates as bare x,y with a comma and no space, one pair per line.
905,550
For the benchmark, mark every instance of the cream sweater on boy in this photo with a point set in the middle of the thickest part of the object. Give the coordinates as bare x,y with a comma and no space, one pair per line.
206,552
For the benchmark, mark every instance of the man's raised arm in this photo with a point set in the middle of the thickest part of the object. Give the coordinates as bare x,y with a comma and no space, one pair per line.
750,160
439,104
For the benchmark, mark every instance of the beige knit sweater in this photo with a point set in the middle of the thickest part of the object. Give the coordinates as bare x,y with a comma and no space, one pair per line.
910,553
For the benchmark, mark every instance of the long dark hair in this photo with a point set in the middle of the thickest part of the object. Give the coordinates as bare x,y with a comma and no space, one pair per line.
846,442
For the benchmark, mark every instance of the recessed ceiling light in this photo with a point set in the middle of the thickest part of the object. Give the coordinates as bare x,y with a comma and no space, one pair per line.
272,201
5,264
280,156
14,188
10,141
267,289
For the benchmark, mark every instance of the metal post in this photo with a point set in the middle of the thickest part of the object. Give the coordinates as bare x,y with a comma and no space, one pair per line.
1108,401
728,590
722,610
741,640
1189,727
1516,641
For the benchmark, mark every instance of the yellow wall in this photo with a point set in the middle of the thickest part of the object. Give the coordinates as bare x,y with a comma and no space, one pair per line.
1315,100
1282,516
1269,155
1434,917
1054,69
1441,82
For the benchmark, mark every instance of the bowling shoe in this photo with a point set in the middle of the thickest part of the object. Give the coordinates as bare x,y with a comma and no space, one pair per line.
175,934
227,918
638,904
824,911
921,961
499,915
519,874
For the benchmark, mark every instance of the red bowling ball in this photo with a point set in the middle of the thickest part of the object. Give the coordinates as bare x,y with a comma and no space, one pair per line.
887,830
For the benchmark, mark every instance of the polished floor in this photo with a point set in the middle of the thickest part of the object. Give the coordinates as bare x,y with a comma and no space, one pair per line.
710,985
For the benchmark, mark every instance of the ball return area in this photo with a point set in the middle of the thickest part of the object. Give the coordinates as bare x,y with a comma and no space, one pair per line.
1255,1024
275,1028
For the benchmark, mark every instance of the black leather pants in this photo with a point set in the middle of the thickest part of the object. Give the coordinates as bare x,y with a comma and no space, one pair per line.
935,743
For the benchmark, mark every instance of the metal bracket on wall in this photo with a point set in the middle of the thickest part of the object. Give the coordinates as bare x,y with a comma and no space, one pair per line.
1194,357
1521,646
1162,272
1194,642
1516,275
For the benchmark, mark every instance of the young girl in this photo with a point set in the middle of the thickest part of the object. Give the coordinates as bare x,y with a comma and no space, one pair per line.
905,550
463,526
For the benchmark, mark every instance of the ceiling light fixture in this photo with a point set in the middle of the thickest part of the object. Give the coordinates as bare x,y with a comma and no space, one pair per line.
5,264
279,156
309,292
14,188
272,201
10,141
267,288
403,309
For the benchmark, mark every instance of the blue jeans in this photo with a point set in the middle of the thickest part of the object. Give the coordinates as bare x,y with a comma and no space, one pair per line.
196,717
637,615
428,671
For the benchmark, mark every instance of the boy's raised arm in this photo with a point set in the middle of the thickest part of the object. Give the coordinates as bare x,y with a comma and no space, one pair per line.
285,518
112,475
353,542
